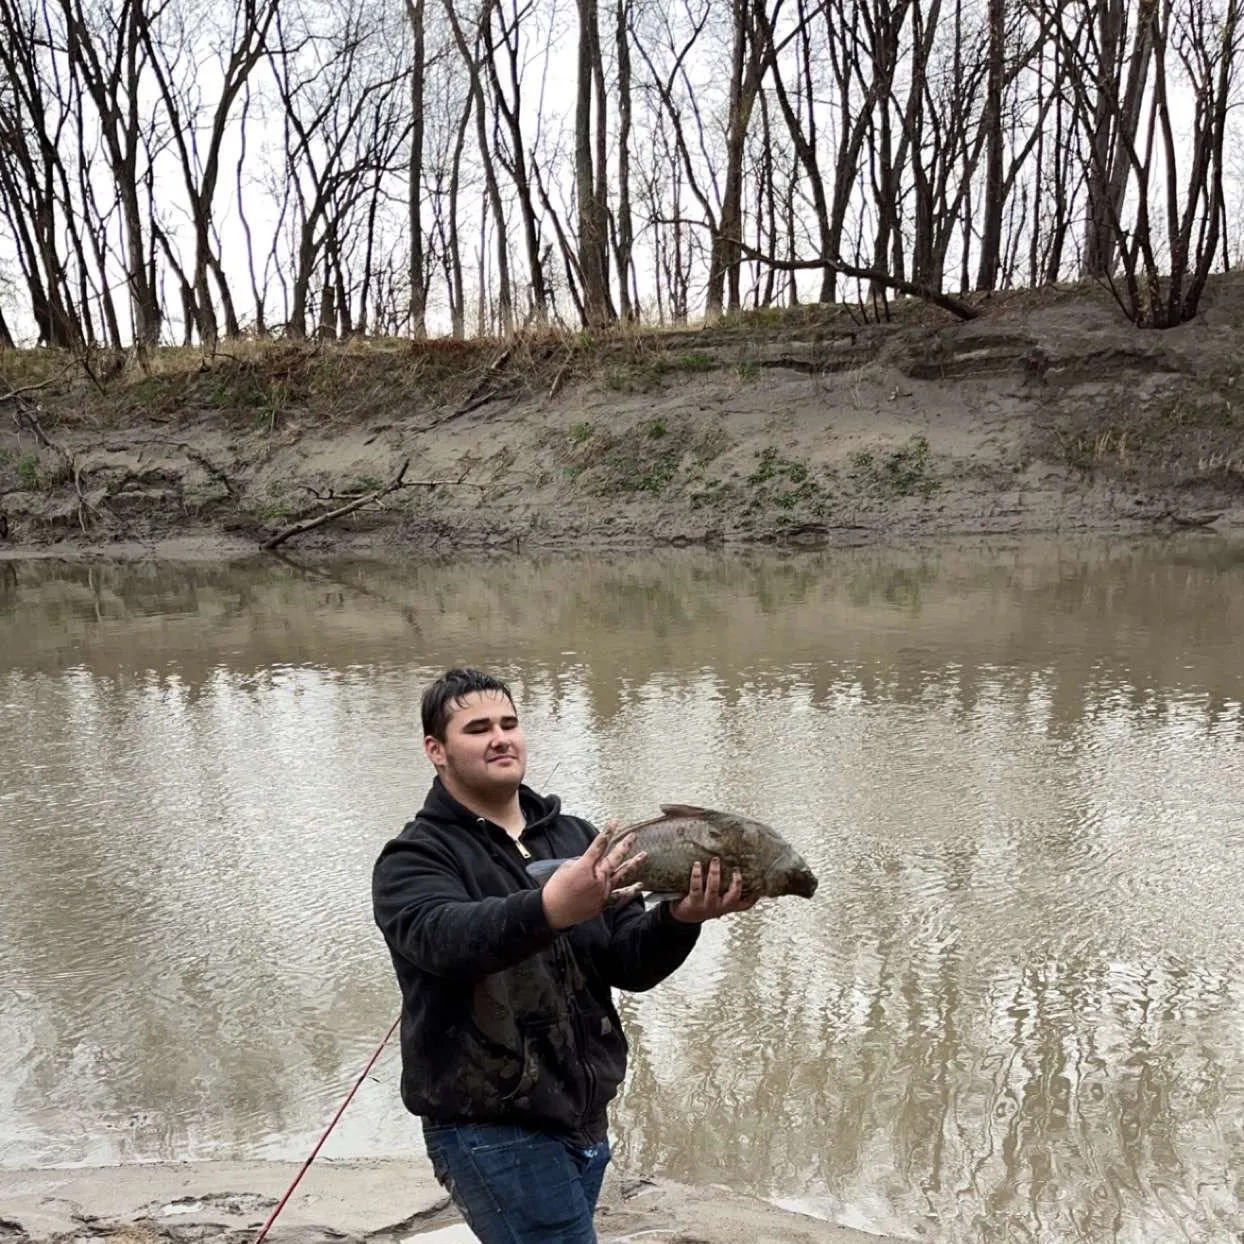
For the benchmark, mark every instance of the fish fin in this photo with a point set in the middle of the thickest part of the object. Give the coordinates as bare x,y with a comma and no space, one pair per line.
668,812
621,832
622,896
684,809
542,870
656,898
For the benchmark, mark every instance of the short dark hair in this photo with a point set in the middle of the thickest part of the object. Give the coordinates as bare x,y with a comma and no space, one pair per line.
442,696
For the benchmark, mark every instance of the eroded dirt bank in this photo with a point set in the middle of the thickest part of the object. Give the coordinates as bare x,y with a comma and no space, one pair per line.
1049,413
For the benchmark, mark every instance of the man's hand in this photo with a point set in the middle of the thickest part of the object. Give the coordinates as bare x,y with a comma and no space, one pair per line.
579,890
704,901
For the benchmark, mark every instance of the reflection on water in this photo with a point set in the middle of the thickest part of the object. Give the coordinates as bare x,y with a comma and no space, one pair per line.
1013,1010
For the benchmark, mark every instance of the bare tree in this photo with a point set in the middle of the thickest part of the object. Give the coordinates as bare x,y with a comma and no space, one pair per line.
508,102
238,50
624,245
30,179
416,13
109,59
747,64
346,125
473,53
589,173
1199,43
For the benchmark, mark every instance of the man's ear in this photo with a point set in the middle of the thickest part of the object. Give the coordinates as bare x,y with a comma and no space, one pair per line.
435,751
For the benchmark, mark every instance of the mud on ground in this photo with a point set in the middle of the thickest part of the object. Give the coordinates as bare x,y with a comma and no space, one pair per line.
377,1202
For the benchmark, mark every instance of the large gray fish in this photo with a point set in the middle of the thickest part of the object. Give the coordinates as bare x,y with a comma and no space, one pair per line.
770,867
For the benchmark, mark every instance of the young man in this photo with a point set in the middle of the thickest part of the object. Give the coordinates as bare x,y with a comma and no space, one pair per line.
511,1046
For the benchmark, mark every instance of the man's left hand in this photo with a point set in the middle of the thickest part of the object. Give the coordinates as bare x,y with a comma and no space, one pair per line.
705,901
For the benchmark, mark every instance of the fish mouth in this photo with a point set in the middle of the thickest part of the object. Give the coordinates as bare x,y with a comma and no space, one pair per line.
805,885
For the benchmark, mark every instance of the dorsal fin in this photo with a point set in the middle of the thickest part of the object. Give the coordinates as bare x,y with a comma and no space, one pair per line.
684,809
669,812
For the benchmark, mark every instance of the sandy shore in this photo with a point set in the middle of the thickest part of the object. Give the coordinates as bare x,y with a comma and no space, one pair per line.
386,1201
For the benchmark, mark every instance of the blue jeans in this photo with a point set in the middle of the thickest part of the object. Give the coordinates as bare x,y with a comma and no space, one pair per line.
517,1186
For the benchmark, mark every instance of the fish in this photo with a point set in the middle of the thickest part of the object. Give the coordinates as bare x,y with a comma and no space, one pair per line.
683,834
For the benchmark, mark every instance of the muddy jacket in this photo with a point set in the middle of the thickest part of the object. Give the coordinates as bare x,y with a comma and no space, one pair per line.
503,1017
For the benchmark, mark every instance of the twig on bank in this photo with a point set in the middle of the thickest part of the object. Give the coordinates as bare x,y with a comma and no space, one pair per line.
398,482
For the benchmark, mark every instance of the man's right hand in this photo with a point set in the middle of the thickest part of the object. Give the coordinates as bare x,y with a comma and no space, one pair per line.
580,888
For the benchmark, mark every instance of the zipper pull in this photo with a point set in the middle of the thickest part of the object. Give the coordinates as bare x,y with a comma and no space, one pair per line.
522,850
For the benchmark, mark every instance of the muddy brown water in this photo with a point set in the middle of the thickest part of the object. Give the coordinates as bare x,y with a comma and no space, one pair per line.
1014,1009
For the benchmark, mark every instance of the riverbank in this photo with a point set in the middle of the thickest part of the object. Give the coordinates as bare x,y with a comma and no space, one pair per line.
385,1202
1049,413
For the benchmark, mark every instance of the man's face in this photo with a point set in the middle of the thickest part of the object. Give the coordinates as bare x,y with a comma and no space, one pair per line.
484,751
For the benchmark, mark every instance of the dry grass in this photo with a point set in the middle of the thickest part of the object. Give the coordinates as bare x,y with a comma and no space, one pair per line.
265,373
265,381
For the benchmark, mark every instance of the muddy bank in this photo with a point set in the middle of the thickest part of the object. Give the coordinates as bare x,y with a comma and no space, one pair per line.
1048,414
387,1202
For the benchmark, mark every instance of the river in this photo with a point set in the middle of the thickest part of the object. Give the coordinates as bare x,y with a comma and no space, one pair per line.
1013,1010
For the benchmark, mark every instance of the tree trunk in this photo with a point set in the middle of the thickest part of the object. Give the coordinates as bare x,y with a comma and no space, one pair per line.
418,285
1115,127
725,257
511,112
457,283
805,143
626,224
991,226
593,240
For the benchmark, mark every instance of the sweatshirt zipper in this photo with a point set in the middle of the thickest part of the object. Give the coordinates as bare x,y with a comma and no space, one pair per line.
591,1079
522,850
582,1038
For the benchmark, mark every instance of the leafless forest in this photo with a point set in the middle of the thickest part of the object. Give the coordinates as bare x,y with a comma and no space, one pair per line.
188,172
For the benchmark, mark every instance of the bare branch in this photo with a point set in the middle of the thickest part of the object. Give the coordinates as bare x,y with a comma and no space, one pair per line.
398,482
956,307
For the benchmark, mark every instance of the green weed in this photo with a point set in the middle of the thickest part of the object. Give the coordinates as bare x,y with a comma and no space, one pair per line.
655,479
767,468
903,471
791,477
28,471
697,360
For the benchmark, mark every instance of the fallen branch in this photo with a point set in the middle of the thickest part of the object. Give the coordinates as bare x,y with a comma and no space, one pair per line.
1187,521
15,395
479,396
399,481
498,364
561,375
915,289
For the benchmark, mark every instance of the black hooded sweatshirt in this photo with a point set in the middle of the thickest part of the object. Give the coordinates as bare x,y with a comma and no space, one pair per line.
504,1018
